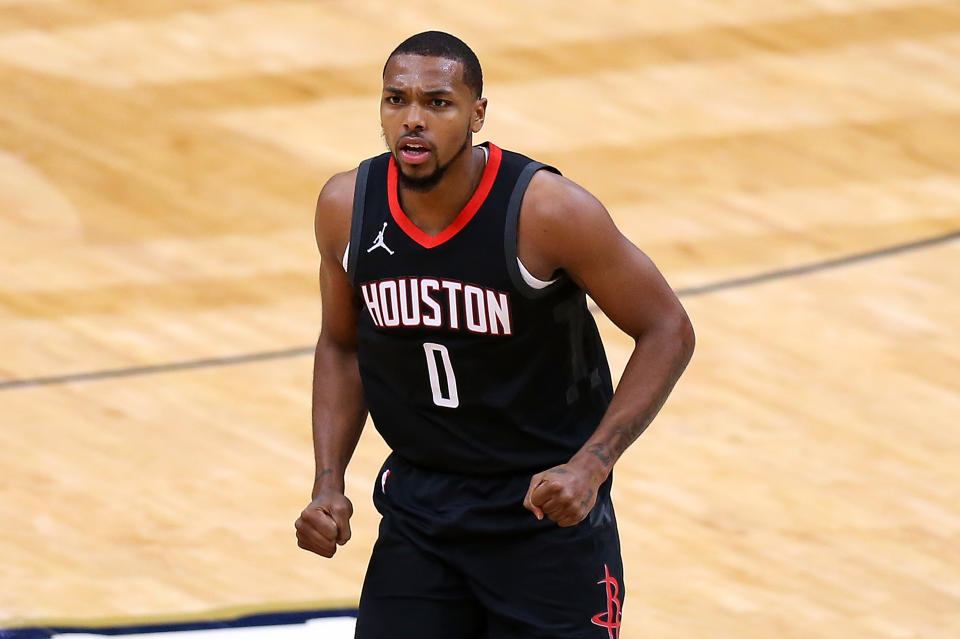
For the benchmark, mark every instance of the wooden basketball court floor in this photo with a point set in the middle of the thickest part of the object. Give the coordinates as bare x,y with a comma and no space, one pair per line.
792,167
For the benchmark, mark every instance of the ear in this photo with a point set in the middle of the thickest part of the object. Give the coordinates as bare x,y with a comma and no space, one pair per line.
479,115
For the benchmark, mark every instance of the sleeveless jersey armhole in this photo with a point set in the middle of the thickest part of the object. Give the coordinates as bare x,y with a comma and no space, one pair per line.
352,252
522,279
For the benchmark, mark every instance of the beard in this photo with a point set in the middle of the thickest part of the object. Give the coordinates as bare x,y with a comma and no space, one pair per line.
427,182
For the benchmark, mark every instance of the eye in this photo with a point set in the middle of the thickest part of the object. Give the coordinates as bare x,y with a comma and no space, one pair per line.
393,99
437,103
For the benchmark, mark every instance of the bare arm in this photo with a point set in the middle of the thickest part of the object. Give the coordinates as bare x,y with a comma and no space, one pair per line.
339,411
564,227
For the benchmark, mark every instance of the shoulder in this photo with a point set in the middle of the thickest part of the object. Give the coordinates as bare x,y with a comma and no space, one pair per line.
333,212
557,200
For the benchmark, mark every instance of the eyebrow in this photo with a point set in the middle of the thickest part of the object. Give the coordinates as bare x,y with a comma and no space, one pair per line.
430,92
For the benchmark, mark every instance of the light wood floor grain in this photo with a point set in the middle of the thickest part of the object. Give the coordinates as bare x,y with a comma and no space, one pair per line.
159,161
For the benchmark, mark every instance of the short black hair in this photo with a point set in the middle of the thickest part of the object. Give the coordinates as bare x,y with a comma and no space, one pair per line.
443,45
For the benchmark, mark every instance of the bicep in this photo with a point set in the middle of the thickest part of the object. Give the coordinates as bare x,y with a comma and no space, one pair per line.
332,229
339,320
624,282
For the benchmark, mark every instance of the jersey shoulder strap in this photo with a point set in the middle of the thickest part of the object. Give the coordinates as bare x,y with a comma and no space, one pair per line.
356,220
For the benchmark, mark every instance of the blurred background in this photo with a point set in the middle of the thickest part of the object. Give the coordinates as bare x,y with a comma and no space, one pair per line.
792,168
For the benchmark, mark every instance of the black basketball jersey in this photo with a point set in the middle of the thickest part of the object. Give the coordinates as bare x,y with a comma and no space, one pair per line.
465,366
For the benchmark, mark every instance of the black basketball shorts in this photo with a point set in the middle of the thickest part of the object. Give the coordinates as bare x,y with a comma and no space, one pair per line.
459,557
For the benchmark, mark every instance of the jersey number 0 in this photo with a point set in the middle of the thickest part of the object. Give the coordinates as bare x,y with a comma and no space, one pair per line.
433,353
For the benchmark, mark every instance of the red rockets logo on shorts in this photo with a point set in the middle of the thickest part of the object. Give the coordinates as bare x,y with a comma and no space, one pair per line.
611,618
431,302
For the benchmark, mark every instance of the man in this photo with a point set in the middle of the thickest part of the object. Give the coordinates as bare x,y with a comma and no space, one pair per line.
453,284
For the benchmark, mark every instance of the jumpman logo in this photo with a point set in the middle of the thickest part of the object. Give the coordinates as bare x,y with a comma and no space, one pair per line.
611,618
379,243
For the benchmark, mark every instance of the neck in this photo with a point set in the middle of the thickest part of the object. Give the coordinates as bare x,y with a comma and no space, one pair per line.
434,210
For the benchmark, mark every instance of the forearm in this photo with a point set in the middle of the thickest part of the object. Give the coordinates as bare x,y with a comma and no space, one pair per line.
339,412
659,358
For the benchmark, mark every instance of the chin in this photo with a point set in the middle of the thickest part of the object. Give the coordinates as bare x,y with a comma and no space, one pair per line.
423,182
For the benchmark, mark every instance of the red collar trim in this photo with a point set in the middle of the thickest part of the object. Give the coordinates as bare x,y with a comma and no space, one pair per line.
476,201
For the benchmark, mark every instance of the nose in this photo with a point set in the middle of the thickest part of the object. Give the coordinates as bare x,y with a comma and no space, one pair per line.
413,119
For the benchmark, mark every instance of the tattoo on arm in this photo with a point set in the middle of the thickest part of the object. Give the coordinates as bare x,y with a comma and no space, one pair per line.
623,437
599,450
323,473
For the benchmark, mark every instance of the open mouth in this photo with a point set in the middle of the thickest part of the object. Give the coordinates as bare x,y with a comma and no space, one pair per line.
414,152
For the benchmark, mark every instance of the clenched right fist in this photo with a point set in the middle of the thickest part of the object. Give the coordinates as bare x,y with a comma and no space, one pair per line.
325,524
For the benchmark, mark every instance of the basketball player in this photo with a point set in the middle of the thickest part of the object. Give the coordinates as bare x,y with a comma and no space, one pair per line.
454,310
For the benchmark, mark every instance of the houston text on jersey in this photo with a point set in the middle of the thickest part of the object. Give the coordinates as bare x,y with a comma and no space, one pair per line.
435,303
